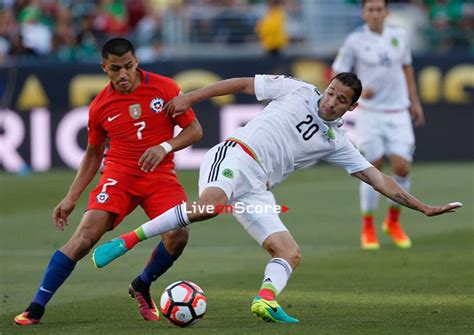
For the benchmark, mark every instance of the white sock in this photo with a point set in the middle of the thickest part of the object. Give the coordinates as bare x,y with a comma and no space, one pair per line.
369,198
277,272
405,183
173,218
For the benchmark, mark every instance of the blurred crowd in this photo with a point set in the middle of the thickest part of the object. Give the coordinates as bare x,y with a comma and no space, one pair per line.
72,31
451,24
68,30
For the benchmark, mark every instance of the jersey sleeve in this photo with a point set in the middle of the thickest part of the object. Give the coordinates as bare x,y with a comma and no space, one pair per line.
349,158
271,87
185,119
345,57
96,134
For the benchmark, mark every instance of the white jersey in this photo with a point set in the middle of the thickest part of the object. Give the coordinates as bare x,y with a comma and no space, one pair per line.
378,60
289,134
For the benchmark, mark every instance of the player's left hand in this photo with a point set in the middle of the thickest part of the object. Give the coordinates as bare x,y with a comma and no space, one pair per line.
417,114
438,210
151,158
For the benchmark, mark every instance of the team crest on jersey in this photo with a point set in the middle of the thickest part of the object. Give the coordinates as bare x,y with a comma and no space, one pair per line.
157,105
394,41
135,111
228,173
328,135
102,197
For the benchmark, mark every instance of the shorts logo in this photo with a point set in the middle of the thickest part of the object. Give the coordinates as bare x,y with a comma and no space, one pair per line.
102,197
157,105
228,173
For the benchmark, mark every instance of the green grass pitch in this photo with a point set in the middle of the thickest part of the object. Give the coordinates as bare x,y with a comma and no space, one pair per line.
338,288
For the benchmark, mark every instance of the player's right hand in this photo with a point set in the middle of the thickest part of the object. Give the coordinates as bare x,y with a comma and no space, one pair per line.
178,105
61,213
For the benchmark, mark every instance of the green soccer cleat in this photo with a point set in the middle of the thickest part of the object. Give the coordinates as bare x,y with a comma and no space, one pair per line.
270,311
107,252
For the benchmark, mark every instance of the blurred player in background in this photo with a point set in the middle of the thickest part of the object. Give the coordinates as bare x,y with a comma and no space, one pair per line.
271,29
298,128
381,56
138,170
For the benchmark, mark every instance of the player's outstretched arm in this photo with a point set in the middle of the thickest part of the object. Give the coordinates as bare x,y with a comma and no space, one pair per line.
180,104
90,163
389,187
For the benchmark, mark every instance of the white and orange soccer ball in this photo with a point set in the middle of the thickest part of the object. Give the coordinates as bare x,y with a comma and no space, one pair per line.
183,303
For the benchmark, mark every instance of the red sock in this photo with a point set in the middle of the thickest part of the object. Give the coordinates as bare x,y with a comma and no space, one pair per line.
393,214
131,239
368,220
266,294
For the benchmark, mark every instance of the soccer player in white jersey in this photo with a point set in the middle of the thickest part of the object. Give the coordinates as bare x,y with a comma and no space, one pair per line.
380,55
298,128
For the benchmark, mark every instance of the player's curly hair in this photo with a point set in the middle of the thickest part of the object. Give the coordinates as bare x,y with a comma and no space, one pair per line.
117,47
351,80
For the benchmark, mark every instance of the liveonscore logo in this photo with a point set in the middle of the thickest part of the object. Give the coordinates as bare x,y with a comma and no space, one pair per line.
238,208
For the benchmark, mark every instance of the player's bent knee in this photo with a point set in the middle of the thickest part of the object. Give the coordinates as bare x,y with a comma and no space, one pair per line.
280,246
175,241
401,171
78,247
294,257
400,166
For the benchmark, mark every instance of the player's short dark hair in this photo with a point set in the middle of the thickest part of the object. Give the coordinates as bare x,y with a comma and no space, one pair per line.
365,1
117,47
351,80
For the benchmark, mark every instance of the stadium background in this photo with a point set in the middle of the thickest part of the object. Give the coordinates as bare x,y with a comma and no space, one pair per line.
49,72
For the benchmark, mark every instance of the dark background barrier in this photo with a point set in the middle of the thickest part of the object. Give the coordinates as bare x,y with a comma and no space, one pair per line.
42,121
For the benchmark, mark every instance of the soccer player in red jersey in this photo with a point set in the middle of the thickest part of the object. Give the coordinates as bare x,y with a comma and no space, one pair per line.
138,170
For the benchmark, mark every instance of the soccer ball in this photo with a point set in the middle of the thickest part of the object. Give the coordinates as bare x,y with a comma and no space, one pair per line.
183,303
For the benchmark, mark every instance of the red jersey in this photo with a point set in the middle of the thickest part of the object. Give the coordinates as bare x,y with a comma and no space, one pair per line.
135,122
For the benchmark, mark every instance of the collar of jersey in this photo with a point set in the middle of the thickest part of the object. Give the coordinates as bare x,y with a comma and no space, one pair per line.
366,29
335,123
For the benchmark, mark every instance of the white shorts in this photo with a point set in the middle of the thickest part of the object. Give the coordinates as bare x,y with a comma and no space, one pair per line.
228,167
380,134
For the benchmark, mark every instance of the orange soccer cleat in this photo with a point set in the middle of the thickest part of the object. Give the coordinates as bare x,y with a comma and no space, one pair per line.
145,302
31,316
23,319
368,237
395,231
